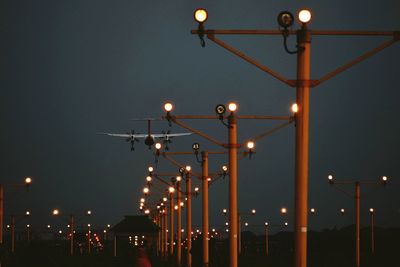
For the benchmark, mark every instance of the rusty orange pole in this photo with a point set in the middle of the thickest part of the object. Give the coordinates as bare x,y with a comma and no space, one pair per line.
233,222
204,164
301,158
165,234
171,224
357,209
189,219
178,225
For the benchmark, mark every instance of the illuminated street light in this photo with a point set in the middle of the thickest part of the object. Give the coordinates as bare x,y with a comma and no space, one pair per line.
330,179
384,179
312,211
342,211
165,199
224,211
304,16
27,213
150,169
283,210
188,168
148,178
147,211
178,178
253,211
171,189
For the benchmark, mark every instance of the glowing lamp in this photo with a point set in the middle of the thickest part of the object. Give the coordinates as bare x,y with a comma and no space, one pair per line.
304,16
168,107
200,15
232,107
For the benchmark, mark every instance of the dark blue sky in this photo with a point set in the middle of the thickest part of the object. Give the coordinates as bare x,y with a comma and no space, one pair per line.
70,69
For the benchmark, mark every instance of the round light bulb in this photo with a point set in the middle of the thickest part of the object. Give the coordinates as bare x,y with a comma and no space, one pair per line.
250,145
56,212
283,210
304,16
171,189
178,178
148,178
150,169
232,107
158,146
200,15
188,168
295,108
168,107
28,180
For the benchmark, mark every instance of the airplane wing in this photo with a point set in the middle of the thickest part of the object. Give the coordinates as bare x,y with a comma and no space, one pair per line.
126,135
170,135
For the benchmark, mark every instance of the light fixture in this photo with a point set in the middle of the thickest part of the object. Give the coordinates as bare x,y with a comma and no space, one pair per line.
171,189
232,107
150,169
371,210
285,19
157,146
330,179
188,168
148,178
168,107
55,212
200,15
253,211
178,178
283,210
220,109
295,108
28,180
304,16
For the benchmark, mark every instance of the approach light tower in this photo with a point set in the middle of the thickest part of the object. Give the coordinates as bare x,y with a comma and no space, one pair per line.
302,83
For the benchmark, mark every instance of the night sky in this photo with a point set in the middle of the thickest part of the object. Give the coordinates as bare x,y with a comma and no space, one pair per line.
72,68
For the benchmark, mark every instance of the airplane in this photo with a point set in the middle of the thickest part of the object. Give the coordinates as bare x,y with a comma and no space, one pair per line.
149,138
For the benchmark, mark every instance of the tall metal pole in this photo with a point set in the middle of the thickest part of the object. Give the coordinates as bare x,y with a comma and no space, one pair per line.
179,225
372,233
165,244
239,234
159,224
72,223
189,219
89,247
171,224
266,240
204,161
1,213
233,235
301,158
12,234
357,199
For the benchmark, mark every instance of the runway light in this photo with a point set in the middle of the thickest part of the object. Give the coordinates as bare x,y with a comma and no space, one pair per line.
295,108
158,146
285,19
28,180
250,145
168,107
56,212
232,107
200,15
304,16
